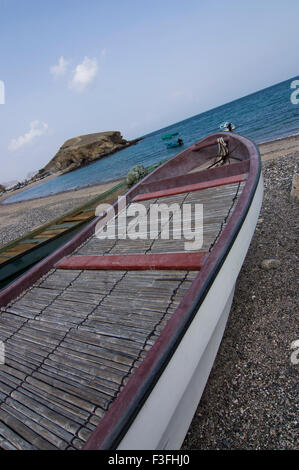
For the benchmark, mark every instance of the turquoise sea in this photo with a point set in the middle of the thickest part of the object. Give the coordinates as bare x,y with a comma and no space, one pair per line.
262,116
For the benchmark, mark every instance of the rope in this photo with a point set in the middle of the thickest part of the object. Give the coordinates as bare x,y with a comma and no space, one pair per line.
223,152
222,147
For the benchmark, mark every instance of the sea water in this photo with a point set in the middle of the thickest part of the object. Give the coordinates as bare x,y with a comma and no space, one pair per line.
262,116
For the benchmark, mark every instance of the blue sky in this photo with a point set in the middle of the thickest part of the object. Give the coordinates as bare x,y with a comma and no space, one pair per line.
74,67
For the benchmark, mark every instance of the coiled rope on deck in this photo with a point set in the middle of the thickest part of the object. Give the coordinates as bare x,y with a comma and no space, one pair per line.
222,147
222,154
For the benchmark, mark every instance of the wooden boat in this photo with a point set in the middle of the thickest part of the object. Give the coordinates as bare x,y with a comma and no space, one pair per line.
19,255
109,342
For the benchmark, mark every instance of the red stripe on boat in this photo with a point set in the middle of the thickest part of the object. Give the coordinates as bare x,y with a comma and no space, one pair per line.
136,262
191,187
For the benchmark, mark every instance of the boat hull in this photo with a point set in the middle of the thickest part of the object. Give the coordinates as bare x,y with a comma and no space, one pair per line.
169,409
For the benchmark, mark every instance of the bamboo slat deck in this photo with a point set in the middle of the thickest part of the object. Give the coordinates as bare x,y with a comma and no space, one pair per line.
218,204
75,337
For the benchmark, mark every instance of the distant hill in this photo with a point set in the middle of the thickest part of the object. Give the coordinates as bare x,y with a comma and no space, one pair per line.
85,149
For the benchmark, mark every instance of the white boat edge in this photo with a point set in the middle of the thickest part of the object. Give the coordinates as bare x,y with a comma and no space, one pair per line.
165,417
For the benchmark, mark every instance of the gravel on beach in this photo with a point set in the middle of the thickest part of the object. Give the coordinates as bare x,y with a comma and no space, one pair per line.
17,219
251,399
27,219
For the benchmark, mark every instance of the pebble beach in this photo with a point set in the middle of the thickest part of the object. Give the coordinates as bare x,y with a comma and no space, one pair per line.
250,401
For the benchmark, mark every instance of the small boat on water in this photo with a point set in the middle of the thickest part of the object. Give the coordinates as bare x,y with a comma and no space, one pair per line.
227,126
169,136
178,143
110,340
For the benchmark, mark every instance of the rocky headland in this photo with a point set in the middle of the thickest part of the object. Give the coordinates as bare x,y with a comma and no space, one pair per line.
85,149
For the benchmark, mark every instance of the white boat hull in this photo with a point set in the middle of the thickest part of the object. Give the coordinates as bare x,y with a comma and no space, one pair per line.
165,417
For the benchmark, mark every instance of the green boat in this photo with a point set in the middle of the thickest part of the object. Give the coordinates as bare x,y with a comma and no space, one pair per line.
169,136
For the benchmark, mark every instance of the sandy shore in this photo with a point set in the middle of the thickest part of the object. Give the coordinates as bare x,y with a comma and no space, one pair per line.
279,147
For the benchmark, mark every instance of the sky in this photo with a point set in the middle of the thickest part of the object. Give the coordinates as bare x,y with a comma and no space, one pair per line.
73,67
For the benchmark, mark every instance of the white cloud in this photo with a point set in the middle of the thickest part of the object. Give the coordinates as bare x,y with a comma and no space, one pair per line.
84,74
37,129
60,69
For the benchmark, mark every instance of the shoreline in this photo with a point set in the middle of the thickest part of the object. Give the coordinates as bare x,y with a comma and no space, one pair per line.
275,148
291,136
99,186
268,150
29,186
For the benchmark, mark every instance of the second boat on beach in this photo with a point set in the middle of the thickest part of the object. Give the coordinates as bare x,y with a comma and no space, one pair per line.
18,256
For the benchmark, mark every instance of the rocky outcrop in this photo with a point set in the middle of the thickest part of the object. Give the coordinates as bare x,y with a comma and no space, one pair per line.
85,149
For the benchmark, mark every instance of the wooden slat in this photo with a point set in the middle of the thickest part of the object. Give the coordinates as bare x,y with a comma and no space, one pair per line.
20,248
81,216
62,225
188,261
191,187
53,232
28,241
